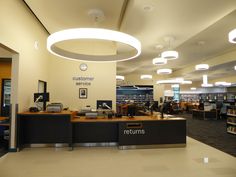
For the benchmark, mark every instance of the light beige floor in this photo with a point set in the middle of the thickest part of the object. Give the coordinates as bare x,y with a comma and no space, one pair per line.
112,162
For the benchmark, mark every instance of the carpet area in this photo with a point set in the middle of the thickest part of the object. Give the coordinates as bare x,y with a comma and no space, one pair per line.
212,133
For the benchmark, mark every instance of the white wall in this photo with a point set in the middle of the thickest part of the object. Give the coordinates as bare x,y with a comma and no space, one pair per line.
19,29
63,88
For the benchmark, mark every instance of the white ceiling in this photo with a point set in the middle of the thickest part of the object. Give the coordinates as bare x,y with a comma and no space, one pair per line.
188,21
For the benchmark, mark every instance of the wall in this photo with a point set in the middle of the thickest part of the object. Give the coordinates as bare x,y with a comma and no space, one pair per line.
19,30
63,88
5,73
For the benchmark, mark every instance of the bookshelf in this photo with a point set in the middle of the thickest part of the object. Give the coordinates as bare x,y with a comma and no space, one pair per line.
138,95
231,119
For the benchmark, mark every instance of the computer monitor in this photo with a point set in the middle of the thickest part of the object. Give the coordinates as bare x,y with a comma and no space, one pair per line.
131,110
104,104
41,97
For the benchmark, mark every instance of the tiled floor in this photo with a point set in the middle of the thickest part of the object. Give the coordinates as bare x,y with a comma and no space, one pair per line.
112,162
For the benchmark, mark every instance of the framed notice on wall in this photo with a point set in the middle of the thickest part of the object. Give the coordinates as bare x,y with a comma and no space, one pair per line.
83,93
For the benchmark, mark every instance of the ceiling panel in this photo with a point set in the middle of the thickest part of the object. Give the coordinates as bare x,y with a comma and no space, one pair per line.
188,21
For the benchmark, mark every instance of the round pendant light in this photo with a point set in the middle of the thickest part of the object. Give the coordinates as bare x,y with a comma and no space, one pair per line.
120,78
170,55
159,61
164,71
94,34
232,36
146,77
202,67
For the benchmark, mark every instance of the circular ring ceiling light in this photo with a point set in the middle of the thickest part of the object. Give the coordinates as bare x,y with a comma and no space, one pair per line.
232,36
164,71
146,77
120,78
202,67
94,34
159,61
170,55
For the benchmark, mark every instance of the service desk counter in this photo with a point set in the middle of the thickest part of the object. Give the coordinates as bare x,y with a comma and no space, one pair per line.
44,128
65,127
125,131
204,115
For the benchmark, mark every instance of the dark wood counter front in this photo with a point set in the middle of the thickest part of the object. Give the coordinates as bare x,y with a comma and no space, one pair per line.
140,130
65,127
44,128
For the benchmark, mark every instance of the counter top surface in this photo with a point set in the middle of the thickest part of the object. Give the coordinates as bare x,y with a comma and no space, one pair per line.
2,121
3,118
124,118
75,118
47,113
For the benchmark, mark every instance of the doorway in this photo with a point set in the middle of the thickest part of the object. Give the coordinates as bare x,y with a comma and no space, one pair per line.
9,97
5,97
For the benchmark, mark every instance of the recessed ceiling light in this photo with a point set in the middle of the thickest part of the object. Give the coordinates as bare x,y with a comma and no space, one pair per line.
164,71
158,47
148,8
193,88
